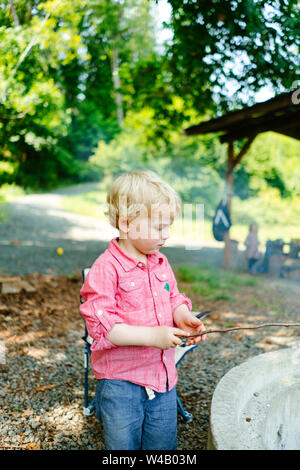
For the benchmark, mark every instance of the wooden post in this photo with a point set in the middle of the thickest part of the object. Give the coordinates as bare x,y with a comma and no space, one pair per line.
232,161
229,190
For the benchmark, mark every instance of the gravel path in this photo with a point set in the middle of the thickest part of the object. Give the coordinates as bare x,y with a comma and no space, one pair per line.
41,381
37,226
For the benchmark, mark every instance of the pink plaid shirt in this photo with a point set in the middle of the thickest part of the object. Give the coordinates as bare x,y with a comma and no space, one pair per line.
122,289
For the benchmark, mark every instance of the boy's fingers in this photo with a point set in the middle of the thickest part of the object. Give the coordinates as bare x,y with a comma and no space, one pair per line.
203,337
177,341
178,332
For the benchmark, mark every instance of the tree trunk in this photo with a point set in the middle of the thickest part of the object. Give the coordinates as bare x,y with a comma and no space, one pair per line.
229,190
117,84
14,13
232,161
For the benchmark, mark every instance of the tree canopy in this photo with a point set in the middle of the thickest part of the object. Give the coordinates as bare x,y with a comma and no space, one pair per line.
76,73
246,44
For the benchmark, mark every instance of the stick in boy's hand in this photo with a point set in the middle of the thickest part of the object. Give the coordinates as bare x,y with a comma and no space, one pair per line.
252,327
195,324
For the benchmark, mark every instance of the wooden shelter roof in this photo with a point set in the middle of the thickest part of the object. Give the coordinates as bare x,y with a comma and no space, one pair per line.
280,114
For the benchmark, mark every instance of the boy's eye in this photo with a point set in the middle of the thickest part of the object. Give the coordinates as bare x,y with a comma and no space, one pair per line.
160,228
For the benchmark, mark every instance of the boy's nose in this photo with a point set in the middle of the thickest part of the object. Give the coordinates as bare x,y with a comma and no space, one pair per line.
165,234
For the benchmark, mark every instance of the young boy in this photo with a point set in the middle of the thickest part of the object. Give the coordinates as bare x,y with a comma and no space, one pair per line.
136,315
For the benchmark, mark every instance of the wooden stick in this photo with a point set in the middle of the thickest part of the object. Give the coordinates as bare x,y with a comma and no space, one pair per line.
207,332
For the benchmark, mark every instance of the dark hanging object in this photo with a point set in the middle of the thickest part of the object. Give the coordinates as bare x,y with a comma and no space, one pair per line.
221,221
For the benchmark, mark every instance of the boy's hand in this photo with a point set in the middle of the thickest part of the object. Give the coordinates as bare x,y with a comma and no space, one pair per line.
165,337
192,325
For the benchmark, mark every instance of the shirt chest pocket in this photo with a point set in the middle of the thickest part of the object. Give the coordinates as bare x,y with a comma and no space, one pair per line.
131,293
162,282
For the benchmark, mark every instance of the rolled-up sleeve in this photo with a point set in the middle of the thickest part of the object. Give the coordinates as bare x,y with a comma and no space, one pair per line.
99,306
176,298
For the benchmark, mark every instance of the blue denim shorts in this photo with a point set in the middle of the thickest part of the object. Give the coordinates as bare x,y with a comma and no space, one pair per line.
131,421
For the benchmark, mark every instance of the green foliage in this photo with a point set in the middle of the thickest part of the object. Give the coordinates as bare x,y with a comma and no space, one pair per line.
33,113
58,111
247,43
195,168
273,159
187,165
56,87
267,209
88,127
11,192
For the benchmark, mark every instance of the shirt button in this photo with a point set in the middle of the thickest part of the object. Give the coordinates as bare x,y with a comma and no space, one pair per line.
100,312
140,264
164,359
163,275
155,294
159,315
132,283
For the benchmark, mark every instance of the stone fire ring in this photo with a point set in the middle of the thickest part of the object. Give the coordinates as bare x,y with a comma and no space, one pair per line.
256,405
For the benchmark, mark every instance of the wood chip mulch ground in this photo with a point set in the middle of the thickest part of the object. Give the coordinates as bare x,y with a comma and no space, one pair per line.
41,360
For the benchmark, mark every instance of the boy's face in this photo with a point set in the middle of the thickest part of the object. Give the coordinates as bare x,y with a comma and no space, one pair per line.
149,234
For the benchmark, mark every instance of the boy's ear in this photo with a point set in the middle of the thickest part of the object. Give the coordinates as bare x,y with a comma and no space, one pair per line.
123,224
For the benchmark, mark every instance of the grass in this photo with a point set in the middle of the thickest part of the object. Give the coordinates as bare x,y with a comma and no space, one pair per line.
213,283
8,193
90,204
256,302
3,210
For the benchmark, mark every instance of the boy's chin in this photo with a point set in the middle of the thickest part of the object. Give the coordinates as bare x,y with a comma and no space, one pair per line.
153,250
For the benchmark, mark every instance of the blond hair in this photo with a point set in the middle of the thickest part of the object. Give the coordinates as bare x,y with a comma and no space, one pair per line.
140,193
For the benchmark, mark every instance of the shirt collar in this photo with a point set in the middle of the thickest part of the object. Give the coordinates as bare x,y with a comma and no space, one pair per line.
126,260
